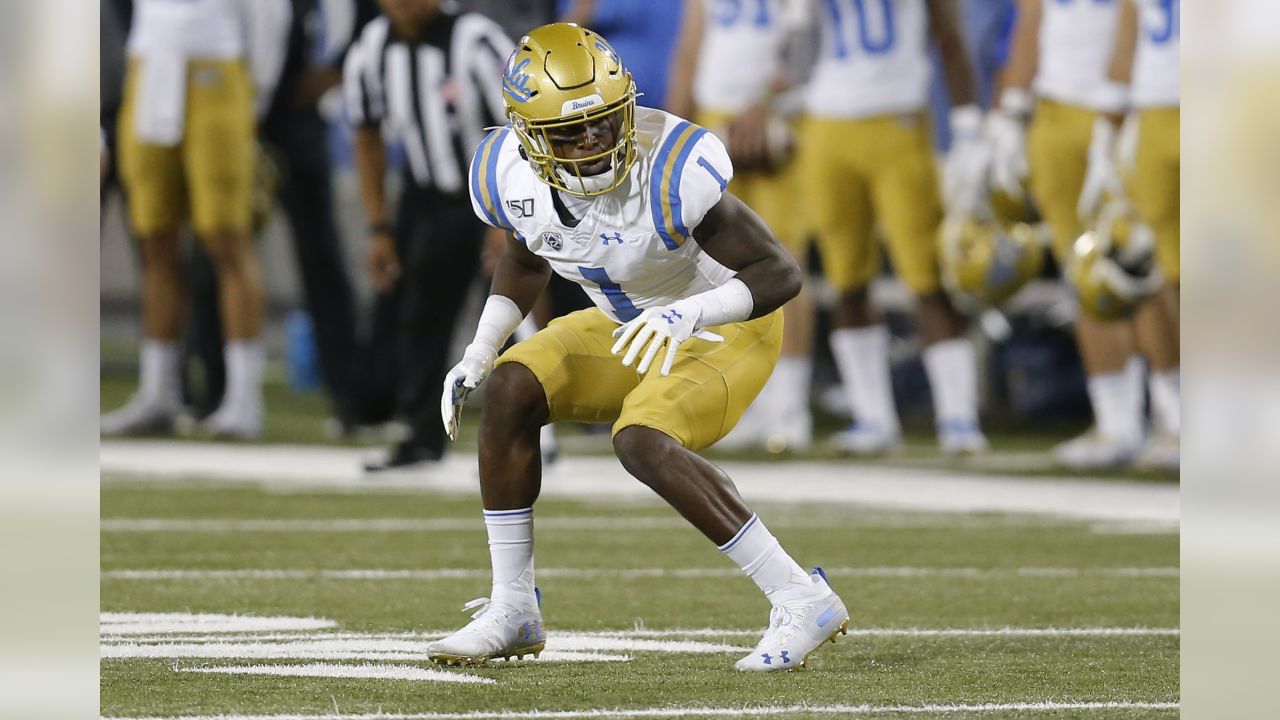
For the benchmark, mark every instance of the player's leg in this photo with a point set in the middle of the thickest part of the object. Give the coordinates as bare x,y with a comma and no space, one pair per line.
1057,146
839,206
905,193
152,175
1157,172
666,419
219,161
787,392
564,372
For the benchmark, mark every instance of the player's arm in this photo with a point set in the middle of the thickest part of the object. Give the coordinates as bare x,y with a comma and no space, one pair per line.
520,276
738,239
1120,67
1024,51
1007,125
371,165
685,62
944,25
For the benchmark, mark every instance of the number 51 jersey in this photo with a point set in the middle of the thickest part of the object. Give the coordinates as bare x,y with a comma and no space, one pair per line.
630,248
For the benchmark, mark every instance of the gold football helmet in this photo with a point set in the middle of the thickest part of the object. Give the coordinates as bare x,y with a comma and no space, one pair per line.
562,75
987,259
1112,267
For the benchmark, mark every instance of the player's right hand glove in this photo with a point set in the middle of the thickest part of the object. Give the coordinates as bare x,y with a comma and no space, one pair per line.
669,326
1007,133
476,364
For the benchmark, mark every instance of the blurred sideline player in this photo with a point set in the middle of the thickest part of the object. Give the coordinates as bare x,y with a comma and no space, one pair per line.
1060,51
1145,58
729,75
186,145
866,156
630,203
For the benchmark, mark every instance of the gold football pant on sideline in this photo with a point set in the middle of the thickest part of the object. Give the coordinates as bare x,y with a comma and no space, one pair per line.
773,195
858,172
209,174
710,385
1058,152
1154,184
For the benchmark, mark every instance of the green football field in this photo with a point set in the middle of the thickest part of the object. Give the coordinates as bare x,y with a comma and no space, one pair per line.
239,599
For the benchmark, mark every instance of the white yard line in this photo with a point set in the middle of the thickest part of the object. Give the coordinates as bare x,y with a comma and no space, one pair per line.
153,623
361,574
582,637
962,491
741,711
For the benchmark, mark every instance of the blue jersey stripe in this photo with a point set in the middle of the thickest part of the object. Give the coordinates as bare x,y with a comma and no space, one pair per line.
491,177
478,169
673,189
655,185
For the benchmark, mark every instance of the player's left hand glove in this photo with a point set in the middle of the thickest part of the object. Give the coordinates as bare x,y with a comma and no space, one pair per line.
1102,176
659,327
476,364
964,172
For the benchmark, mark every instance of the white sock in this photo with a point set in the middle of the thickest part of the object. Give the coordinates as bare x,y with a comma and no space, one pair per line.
788,388
245,361
158,372
1166,400
862,354
952,367
762,558
511,552
1116,399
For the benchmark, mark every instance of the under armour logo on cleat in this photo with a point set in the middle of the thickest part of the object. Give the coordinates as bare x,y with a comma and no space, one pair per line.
785,659
768,659
671,316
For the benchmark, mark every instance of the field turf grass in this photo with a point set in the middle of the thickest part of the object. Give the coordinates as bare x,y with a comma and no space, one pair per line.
896,571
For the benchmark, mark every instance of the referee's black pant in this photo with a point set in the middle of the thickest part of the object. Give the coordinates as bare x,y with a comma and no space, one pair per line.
438,239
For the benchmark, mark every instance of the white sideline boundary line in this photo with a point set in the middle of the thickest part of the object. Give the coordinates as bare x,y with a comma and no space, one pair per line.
358,574
339,670
829,483
742,711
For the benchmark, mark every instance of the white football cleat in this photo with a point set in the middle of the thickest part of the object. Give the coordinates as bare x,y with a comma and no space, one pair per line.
1161,451
141,414
961,437
797,628
230,421
1094,450
498,630
866,439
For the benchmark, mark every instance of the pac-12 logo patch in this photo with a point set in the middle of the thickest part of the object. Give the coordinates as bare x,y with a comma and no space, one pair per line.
553,240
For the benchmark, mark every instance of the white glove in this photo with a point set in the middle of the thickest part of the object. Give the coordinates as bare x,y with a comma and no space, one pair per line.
1007,133
497,321
1102,176
964,171
670,325
476,364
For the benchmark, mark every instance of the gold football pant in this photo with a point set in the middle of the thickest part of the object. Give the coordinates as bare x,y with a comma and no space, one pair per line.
1154,183
858,172
710,385
209,174
1058,151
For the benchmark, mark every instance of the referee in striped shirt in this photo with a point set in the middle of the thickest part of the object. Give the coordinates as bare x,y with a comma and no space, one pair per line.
429,80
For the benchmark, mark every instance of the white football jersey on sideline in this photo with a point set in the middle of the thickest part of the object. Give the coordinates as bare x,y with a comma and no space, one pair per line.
632,247
1076,37
740,53
206,29
874,59
1156,73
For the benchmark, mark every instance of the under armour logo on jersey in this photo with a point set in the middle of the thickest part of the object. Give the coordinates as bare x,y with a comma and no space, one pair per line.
671,316
768,659
616,237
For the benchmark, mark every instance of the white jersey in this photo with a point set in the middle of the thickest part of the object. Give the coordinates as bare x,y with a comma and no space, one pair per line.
1076,37
206,29
740,53
874,59
630,248
1155,62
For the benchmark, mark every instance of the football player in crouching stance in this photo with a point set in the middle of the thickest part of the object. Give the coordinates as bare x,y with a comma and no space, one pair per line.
687,281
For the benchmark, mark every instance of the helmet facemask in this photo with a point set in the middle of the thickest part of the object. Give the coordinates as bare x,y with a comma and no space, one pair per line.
539,138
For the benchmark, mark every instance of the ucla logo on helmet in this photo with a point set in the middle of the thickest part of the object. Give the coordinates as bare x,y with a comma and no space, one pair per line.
516,81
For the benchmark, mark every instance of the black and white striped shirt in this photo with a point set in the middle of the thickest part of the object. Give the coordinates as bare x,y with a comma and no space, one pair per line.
435,94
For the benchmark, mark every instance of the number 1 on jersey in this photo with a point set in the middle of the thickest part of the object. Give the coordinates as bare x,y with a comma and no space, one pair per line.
622,305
